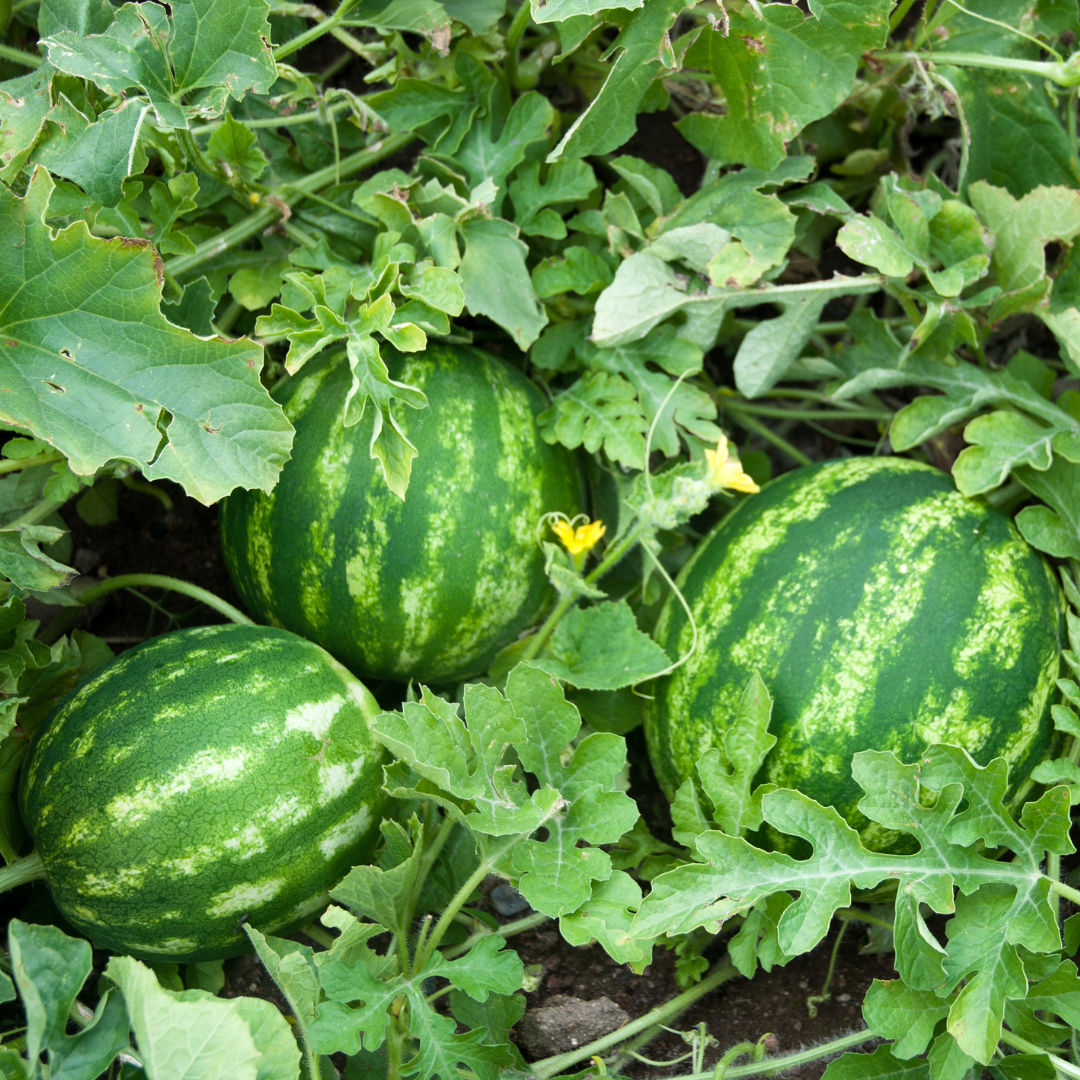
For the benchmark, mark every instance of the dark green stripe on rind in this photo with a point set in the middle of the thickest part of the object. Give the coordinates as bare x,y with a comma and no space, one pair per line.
883,611
206,777
429,588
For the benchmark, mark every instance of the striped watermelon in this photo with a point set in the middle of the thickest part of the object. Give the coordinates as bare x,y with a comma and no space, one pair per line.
883,611
205,778
430,588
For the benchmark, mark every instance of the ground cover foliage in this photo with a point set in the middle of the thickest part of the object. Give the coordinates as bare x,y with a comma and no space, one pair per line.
198,198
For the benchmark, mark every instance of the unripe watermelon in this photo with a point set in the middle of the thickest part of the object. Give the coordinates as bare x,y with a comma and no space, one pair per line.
883,610
430,588
206,778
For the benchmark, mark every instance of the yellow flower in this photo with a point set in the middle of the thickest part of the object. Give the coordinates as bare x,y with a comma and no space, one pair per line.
583,538
723,472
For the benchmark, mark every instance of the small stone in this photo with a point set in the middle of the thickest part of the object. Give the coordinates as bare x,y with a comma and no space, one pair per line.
508,901
842,998
567,1022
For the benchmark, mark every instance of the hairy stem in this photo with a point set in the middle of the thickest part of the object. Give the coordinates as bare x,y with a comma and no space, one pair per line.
28,868
780,413
1065,890
748,423
17,56
1063,73
15,464
772,1066
313,33
722,973
288,194
513,42
611,556
518,926
1064,1068
154,581
461,898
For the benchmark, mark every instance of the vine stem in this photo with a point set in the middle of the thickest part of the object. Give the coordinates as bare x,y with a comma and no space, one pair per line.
1063,73
722,973
17,56
779,413
755,427
460,899
313,33
28,868
513,42
518,926
14,464
288,193
1068,892
611,557
154,581
772,1066
1010,1038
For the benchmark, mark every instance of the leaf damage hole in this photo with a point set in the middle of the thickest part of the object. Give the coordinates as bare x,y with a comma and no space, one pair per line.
55,387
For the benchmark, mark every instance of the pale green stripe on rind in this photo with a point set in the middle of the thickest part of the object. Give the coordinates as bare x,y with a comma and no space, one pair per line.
216,768
881,608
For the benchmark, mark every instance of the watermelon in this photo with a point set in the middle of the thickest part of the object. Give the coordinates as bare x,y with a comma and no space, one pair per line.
429,588
204,779
882,609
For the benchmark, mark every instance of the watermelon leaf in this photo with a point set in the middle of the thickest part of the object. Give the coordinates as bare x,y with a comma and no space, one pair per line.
606,918
383,895
1001,906
880,1065
469,771
218,49
162,1024
601,648
86,345
49,969
753,61
725,774
356,1012
598,411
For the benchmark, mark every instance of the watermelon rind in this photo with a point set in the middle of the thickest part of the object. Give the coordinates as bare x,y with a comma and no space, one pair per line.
429,588
882,609
205,779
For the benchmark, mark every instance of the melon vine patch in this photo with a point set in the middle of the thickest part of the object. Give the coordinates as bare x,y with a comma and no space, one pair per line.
539,538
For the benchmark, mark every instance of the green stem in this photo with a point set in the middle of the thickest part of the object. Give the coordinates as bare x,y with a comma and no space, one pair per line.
427,861
313,33
897,16
38,512
1065,890
772,1066
1063,73
814,1000
611,557
265,215
155,581
722,973
857,915
748,423
28,868
315,115
518,926
461,898
539,639
17,56
780,413
1064,1068
513,42
15,464
160,581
